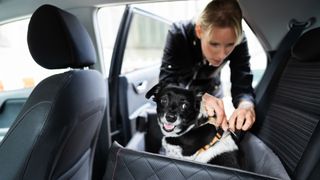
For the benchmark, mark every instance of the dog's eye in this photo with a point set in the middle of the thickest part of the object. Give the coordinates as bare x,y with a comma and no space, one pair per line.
164,101
184,106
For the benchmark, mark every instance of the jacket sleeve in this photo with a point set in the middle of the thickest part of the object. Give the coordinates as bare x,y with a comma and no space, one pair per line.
241,75
174,67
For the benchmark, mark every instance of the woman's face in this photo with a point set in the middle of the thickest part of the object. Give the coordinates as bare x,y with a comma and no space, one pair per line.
217,44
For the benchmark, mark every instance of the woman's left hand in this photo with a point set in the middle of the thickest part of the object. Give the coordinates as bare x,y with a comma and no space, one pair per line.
243,117
214,107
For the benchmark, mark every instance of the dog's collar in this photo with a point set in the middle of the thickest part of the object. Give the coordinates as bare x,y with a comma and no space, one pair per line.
214,140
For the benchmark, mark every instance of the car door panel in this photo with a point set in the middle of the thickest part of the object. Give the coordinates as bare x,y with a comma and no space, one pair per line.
139,83
133,87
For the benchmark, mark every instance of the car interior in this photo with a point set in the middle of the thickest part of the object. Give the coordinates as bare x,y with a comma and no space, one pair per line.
89,118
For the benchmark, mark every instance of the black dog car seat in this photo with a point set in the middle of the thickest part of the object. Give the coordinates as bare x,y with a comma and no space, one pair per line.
284,145
129,164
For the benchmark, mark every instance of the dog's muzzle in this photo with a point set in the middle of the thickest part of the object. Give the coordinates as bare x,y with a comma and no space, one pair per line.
171,118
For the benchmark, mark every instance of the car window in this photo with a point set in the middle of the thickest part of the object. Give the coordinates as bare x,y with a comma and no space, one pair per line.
17,68
109,18
145,40
145,43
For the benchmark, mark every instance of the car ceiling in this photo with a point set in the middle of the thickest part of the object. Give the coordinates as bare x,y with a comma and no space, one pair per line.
269,19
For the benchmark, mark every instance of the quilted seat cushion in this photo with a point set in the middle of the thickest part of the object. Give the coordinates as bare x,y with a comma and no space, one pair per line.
129,164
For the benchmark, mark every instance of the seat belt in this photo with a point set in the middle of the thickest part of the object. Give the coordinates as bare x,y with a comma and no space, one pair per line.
278,64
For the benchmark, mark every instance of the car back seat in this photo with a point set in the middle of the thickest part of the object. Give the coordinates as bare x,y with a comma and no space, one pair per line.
288,143
290,127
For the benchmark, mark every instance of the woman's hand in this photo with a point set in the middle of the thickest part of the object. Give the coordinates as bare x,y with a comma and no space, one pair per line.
214,107
243,117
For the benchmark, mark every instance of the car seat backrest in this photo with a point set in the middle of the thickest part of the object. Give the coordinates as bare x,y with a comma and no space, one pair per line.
54,136
291,125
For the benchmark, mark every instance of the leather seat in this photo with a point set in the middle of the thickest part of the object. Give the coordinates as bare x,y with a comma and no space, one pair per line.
54,136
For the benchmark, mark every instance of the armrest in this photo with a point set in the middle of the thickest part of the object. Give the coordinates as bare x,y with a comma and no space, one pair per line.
130,164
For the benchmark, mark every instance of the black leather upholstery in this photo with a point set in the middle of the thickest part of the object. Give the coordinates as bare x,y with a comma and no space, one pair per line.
54,135
134,165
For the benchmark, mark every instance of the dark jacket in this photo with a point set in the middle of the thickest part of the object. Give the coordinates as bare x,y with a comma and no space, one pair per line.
183,64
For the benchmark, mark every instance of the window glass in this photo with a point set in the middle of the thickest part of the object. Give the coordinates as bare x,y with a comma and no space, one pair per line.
145,43
109,19
17,68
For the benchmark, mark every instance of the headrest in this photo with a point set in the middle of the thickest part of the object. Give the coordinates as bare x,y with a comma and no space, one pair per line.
307,47
56,39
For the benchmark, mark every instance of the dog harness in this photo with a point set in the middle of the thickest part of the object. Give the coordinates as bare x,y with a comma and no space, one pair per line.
221,142
215,139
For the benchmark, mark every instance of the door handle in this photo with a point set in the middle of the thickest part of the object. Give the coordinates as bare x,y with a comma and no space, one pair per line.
140,87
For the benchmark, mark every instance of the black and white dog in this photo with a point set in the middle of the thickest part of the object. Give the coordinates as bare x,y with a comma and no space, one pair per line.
187,133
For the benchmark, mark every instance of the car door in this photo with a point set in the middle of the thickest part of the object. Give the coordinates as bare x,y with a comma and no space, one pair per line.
134,69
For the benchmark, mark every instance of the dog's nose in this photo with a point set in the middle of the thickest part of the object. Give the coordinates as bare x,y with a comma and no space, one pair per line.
171,117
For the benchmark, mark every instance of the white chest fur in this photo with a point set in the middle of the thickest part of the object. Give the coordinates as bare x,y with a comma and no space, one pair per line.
225,144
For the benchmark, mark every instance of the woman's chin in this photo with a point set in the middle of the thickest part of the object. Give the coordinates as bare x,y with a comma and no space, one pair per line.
215,64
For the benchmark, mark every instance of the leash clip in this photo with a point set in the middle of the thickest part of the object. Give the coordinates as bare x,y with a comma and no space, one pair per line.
233,133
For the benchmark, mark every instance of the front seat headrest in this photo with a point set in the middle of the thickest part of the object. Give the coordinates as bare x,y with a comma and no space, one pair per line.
56,39
306,48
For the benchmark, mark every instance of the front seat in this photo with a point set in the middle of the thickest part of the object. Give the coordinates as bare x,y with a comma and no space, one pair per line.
55,134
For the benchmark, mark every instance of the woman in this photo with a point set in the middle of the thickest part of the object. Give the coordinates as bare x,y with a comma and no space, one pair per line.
196,51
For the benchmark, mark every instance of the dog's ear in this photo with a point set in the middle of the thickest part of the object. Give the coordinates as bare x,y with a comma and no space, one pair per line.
154,90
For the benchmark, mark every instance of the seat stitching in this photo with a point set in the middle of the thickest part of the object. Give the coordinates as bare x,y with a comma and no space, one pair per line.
235,175
126,165
35,142
152,169
117,156
18,121
164,166
199,170
206,169
178,168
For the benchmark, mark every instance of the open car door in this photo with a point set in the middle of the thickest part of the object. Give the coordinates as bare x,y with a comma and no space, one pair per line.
134,69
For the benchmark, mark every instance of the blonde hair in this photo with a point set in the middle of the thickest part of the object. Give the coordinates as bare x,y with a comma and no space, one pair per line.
222,13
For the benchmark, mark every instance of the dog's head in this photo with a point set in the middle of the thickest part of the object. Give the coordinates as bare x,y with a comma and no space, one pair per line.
178,108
